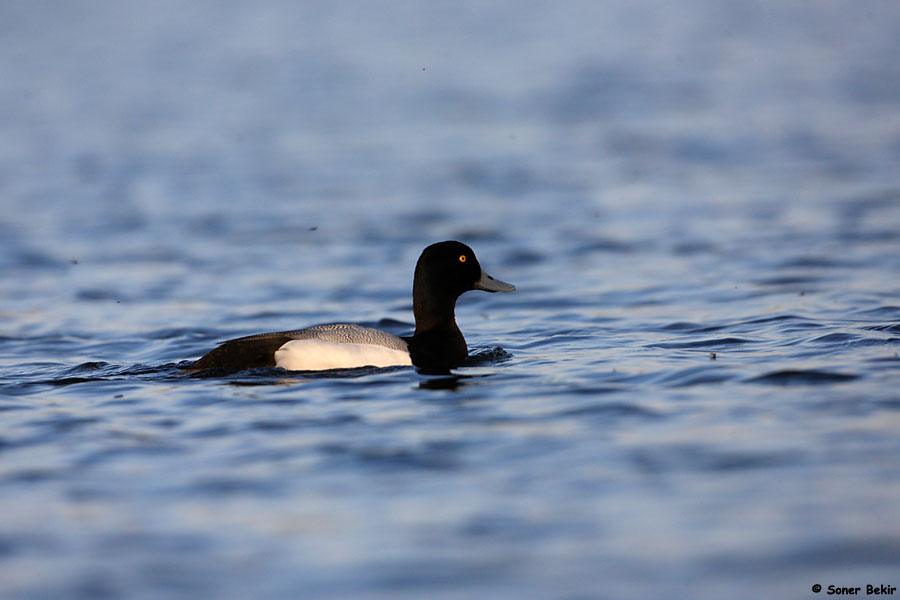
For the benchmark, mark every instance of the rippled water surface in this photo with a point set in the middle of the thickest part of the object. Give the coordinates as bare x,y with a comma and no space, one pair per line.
693,393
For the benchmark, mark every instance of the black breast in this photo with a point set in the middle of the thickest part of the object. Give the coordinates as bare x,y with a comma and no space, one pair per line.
438,350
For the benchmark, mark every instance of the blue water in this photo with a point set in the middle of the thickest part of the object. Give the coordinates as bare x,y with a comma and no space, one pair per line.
692,394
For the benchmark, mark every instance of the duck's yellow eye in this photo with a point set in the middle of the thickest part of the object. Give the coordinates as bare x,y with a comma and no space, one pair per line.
462,258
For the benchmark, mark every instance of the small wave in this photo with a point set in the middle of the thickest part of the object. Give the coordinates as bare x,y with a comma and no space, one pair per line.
231,485
604,245
699,458
891,313
835,337
710,343
169,333
609,410
887,359
485,356
803,377
523,256
689,327
63,423
788,280
847,340
814,262
773,318
82,373
695,376
87,367
557,339
102,371
436,455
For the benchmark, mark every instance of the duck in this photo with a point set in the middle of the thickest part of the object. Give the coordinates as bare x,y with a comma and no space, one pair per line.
444,271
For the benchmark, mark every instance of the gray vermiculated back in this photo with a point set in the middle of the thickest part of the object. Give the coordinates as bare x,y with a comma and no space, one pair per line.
345,333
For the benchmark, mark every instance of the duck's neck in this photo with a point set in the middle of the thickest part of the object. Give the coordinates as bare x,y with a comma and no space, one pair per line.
433,313
438,344
433,301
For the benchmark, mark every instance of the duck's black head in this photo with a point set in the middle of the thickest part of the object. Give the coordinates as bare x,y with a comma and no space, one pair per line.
445,271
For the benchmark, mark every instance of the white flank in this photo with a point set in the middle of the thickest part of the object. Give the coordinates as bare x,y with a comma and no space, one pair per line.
317,355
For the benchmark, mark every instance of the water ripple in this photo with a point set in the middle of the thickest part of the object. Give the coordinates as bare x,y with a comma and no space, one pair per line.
803,377
706,343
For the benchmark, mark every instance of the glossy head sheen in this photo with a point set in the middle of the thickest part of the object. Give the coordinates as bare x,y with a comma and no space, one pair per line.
450,267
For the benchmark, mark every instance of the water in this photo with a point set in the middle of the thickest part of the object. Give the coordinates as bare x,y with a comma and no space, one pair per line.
693,393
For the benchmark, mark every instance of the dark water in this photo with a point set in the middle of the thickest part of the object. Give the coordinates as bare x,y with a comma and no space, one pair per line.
694,392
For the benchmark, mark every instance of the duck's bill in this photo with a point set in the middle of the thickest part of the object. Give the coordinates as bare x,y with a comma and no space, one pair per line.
489,284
